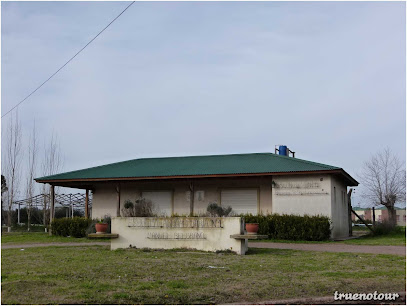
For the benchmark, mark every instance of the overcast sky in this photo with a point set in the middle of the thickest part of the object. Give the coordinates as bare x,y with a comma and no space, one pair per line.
187,78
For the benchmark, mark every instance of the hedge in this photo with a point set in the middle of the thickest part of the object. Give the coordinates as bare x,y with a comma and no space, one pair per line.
74,227
292,227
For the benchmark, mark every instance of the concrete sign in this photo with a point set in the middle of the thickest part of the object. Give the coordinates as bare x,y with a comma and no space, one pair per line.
306,188
201,233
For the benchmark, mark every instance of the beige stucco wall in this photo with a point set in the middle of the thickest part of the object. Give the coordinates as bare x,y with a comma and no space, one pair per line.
339,209
302,195
378,215
103,201
313,195
382,215
105,196
177,233
402,217
294,194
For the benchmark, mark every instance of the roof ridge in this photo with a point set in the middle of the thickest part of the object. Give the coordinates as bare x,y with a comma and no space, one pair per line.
190,156
261,160
305,161
143,158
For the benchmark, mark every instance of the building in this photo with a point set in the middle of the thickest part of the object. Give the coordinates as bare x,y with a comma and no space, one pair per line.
364,213
259,183
381,214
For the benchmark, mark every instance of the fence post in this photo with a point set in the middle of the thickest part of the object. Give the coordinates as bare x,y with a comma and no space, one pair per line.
52,210
87,204
70,202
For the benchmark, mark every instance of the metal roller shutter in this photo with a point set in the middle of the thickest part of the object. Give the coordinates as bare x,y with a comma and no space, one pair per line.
162,201
242,201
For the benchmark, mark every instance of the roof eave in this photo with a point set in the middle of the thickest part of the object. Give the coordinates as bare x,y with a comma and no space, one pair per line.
349,179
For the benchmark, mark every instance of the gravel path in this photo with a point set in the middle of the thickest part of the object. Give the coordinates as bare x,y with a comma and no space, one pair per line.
334,247
35,245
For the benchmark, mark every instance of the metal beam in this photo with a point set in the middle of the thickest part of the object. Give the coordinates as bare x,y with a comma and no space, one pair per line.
51,215
87,204
364,222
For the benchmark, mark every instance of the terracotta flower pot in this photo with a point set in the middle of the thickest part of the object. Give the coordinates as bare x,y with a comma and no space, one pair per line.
252,228
101,228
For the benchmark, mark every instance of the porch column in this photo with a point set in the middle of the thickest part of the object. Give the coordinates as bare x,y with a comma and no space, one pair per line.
118,201
52,207
191,199
350,212
87,204
72,206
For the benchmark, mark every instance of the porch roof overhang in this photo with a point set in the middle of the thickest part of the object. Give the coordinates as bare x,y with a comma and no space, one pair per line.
89,183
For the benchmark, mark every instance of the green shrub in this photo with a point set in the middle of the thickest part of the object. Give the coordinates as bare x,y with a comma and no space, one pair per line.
385,228
292,227
141,208
74,227
128,204
215,210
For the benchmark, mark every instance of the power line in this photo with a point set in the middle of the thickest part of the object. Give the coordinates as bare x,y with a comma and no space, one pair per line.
68,60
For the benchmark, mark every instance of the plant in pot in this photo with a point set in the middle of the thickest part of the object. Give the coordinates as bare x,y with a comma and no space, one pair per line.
252,228
101,226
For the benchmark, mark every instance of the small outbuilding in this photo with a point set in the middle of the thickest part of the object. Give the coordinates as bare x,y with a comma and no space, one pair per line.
259,183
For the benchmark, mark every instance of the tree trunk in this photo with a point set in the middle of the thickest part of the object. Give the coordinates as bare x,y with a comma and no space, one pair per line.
9,220
392,215
29,218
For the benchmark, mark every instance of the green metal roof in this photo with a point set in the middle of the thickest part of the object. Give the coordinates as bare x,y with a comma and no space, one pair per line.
195,166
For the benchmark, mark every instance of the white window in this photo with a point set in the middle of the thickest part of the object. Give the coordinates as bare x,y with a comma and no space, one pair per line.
162,201
199,196
242,201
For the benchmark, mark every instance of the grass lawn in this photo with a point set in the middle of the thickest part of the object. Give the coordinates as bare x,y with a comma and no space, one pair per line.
397,237
95,275
394,238
25,237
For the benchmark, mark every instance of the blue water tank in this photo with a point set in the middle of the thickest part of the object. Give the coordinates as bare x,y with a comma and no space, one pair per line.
282,150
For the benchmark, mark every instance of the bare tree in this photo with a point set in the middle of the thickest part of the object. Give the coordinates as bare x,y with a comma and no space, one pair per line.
14,154
51,164
384,181
32,169
4,189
